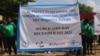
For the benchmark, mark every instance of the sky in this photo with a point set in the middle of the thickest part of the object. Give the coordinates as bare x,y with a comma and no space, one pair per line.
93,3
97,2
64,1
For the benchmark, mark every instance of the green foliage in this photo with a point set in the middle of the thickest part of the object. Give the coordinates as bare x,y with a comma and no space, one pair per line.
85,9
10,7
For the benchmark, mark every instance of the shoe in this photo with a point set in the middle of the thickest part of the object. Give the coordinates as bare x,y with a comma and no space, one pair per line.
87,53
6,51
84,54
92,53
45,52
15,54
49,52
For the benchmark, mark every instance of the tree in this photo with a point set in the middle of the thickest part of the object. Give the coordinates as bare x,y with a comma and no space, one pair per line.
84,8
11,7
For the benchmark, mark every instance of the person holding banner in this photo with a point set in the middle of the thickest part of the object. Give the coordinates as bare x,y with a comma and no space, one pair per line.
10,36
83,34
90,35
4,23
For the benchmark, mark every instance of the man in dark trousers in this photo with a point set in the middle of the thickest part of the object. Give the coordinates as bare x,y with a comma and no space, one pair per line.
9,31
83,35
90,35
4,23
84,32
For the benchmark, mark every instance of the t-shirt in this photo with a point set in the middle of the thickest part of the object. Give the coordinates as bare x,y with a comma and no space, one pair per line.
83,27
90,30
9,29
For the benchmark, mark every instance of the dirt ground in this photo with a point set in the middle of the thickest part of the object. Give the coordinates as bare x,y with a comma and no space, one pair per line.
96,51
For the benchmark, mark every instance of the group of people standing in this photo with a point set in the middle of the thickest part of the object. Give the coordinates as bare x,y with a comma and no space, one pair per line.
8,35
87,33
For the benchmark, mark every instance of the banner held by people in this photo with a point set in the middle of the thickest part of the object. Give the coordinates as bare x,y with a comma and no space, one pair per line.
49,27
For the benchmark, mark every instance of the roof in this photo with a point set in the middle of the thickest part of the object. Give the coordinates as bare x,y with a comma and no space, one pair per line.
87,15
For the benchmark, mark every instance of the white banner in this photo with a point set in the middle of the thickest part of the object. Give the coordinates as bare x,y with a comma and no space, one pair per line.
46,28
97,24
